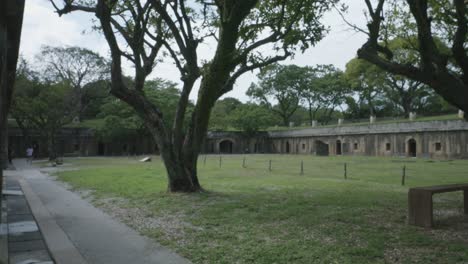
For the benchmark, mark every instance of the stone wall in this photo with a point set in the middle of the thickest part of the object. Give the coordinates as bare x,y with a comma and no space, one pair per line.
435,139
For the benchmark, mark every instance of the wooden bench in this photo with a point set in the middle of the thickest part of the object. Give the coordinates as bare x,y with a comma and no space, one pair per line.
420,202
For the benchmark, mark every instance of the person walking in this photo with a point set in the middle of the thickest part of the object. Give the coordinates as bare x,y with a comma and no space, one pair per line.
29,154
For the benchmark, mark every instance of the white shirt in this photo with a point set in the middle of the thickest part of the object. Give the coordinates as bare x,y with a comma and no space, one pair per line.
29,152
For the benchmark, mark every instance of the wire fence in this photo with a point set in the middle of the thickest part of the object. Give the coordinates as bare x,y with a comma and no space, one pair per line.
401,171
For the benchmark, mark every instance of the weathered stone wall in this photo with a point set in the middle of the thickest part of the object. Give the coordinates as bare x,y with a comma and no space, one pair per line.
437,139
80,142
241,143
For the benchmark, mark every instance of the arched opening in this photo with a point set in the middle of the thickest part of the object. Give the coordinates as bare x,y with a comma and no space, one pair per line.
338,147
101,149
412,148
225,146
287,147
321,149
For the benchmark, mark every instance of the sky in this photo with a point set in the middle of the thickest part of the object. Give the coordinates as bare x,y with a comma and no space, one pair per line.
42,26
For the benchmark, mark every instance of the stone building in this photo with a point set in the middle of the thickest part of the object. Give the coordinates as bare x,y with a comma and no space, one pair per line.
446,139
431,139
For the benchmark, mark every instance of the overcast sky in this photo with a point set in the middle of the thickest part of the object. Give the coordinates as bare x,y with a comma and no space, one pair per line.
42,26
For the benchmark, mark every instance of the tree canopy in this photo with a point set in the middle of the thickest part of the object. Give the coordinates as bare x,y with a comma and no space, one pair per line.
43,106
437,32
143,33
280,84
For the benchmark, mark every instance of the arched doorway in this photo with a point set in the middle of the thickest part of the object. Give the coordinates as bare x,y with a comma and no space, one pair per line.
412,148
321,148
101,149
287,147
338,147
225,146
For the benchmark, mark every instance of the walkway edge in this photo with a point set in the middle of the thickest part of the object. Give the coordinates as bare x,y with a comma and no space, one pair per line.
61,248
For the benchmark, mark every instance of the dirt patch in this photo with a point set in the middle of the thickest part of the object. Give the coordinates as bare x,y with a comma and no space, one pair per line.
170,225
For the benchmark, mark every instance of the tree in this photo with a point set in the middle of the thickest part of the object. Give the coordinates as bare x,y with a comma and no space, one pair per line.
250,118
45,107
26,79
222,110
437,31
77,66
366,80
282,84
406,95
138,31
324,89
93,96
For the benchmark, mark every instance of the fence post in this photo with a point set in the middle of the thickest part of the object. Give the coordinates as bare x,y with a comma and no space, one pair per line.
220,161
403,176
269,166
243,163
302,167
345,171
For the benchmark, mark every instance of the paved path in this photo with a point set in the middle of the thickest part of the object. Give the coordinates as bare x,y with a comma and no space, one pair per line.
98,238
25,241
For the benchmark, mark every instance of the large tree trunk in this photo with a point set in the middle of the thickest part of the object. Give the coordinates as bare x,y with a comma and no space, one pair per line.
181,173
406,105
51,147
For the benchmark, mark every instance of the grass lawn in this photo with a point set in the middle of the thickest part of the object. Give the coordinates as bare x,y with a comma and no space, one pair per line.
251,215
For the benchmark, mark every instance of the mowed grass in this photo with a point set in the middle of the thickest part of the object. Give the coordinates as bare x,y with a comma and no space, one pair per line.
252,215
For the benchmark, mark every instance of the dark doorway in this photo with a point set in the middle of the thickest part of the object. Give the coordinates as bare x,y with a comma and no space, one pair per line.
321,149
101,149
212,148
338,147
411,148
258,147
225,147
287,147
36,149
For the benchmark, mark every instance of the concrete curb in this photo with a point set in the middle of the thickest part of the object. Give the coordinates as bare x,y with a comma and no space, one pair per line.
60,247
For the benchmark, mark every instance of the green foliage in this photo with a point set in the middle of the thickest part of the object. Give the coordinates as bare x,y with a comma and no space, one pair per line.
295,25
94,95
121,121
41,105
285,88
282,84
221,112
385,94
325,89
82,69
76,65
250,118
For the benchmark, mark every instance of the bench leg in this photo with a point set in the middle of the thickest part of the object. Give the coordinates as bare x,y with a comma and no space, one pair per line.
465,200
420,208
